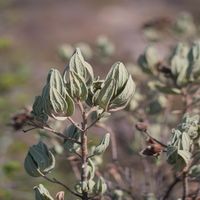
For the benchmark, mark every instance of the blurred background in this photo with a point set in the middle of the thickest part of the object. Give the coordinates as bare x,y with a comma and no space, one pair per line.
36,35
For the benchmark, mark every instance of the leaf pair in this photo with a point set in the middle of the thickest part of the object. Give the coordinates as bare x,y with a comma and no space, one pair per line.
117,89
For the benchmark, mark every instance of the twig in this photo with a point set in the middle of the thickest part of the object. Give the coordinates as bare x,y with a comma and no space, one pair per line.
54,180
185,186
148,134
84,150
48,128
91,110
170,188
74,123
95,121
60,134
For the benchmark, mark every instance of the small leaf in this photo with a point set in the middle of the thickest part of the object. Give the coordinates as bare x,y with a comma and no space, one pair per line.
119,73
81,67
78,87
100,186
39,160
103,145
123,98
195,171
41,193
105,94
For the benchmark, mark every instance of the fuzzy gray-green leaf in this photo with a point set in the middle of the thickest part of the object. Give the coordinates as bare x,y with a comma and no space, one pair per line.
106,93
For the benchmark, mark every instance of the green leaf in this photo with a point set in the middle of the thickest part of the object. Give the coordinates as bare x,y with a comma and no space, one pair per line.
103,145
100,186
123,98
179,64
195,171
81,67
39,160
78,87
119,73
105,94
56,101
167,90
148,60
72,132
186,141
194,59
41,193
38,110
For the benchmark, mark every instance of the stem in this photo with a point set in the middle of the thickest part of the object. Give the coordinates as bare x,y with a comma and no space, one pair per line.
185,186
54,180
48,128
148,134
95,121
84,150
74,123
170,188
60,134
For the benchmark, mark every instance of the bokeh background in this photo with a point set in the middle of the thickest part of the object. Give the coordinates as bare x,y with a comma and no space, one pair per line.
31,34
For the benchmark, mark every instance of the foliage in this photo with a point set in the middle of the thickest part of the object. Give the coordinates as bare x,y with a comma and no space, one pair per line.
76,86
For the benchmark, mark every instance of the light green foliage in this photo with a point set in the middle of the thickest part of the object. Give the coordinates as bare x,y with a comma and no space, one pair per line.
81,67
117,89
65,51
184,24
41,193
103,145
150,196
38,110
182,67
148,60
195,171
194,60
179,64
100,186
179,150
77,86
39,160
105,47
118,194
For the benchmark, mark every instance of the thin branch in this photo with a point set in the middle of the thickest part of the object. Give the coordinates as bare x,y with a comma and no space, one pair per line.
74,123
48,128
27,130
84,148
91,110
60,134
170,188
54,180
95,121
148,134
185,186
